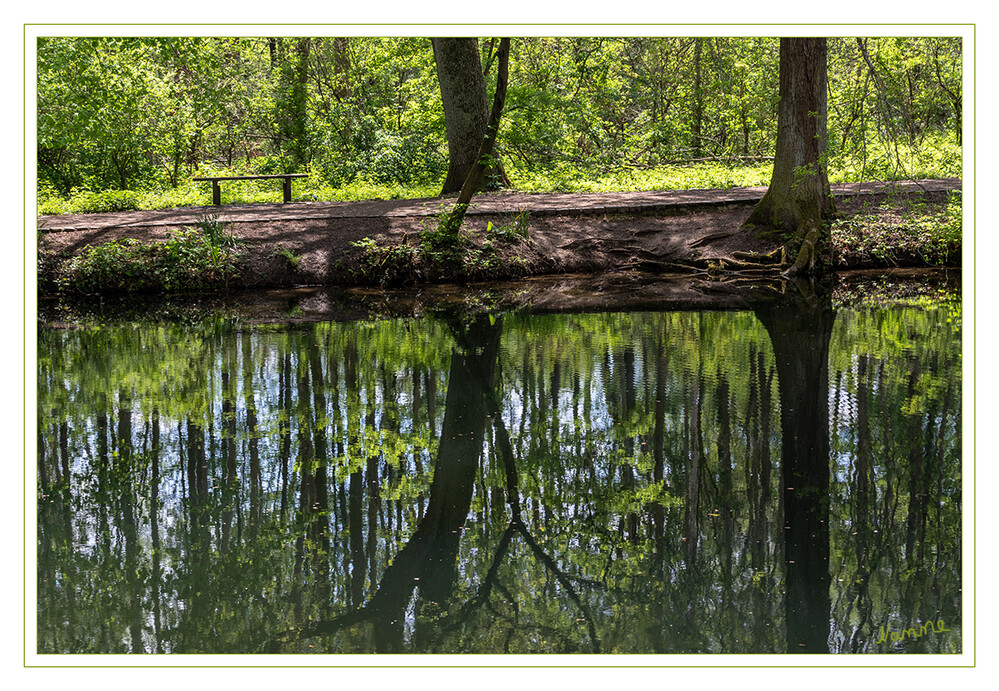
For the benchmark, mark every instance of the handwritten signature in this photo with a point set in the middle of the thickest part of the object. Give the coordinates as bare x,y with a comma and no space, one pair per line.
886,634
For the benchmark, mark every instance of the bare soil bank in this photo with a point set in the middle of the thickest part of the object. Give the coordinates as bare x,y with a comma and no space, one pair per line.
568,233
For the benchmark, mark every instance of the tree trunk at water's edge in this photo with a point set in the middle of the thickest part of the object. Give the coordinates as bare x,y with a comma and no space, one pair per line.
798,198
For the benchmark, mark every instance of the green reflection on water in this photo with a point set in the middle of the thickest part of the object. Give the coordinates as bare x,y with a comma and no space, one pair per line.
613,483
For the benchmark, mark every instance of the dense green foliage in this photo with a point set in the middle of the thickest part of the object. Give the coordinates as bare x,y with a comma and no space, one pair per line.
363,116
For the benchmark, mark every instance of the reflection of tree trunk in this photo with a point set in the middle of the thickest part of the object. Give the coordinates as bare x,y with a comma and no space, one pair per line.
43,482
800,336
629,402
284,416
66,477
390,425
123,476
726,500
863,509
428,560
228,445
916,517
305,464
766,378
102,464
355,496
355,532
374,498
658,510
67,528
417,402
693,456
256,489
757,474
752,470
154,525
462,433
319,524
197,474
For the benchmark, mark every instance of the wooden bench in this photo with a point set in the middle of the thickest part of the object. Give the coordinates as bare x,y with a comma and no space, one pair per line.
217,192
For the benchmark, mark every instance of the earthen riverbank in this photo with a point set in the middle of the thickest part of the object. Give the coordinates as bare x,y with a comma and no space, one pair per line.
565,233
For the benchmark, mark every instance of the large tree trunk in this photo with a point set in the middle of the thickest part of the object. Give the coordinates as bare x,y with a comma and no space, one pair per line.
466,109
473,181
799,198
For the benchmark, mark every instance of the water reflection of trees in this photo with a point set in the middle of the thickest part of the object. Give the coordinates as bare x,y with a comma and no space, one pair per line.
589,483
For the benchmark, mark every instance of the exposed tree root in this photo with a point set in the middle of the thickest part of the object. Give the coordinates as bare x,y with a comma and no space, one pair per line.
778,256
747,264
805,261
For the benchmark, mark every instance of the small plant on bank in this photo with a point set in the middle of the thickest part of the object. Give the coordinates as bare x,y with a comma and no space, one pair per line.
290,257
517,229
215,230
386,263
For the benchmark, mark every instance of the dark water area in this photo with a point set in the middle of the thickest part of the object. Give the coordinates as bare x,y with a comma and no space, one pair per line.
466,474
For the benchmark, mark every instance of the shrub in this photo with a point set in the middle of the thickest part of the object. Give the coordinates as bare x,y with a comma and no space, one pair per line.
444,252
188,260
107,201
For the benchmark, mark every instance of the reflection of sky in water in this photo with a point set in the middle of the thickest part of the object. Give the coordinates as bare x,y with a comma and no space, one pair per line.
675,566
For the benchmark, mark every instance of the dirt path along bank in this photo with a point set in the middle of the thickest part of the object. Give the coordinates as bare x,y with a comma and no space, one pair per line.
567,232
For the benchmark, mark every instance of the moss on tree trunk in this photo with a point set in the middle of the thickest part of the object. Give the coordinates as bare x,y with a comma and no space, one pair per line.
798,198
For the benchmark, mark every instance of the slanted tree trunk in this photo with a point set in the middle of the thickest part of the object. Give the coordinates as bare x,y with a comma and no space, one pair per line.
466,109
798,198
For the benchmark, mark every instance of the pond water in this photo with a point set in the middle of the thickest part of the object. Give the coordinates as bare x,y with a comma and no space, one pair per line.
773,479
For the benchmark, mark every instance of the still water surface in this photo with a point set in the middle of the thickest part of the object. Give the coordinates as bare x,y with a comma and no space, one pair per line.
782,479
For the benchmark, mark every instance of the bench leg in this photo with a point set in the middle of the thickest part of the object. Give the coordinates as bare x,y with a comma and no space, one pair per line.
216,193
287,190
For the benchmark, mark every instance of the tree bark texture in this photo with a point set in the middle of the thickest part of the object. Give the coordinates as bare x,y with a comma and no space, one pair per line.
466,107
477,171
798,197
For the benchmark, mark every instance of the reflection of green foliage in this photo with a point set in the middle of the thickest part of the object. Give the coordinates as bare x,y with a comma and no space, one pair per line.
606,415
896,371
